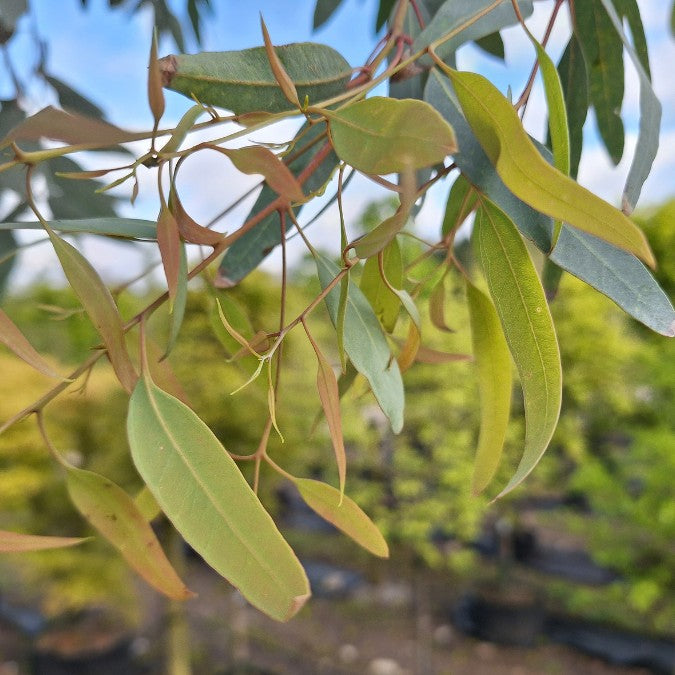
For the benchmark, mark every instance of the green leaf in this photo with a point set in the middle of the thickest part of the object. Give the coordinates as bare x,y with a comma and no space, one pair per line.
182,129
465,21
344,513
99,305
366,345
126,228
17,542
383,12
251,249
526,320
603,52
243,81
385,303
323,11
650,109
202,492
492,44
147,504
529,176
375,136
114,514
14,339
493,363
572,72
235,316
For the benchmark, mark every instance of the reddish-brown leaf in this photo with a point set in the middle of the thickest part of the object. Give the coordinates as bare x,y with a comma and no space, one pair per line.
13,338
190,230
168,239
16,542
280,74
155,90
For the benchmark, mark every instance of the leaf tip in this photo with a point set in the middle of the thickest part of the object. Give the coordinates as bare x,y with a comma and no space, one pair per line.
297,603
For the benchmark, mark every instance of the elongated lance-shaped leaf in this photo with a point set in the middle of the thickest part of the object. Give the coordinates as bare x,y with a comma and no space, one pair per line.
189,229
251,249
617,274
126,228
99,305
182,129
344,513
114,514
243,81
574,80
366,344
323,11
467,21
612,271
529,176
327,386
523,311
168,240
14,339
493,363
9,246
603,54
180,299
385,303
147,504
71,128
280,74
17,542
375,135
461,202
155,91
202,492
650,108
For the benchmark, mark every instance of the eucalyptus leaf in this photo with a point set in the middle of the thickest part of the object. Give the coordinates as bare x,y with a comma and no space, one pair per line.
344,513
650,111
366,345
18,542
323,11
126,228
603,54
243,81
526,320
8,248
375,135
493,363
202,492
114,514
465,21
385,303
73,100
529,176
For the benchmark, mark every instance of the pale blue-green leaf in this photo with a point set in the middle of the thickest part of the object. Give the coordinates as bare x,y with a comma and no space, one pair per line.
127,228
467,20
617,274
366,344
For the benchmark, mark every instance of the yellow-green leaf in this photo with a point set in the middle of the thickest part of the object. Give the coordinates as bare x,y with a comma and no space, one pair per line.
384,135
182,129
344,513
327,386
17,542
202,492
99,305
493,363
14,339
385,303
114,514
526,320
529,176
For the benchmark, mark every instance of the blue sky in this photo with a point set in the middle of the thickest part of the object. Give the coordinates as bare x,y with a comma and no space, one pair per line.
104,55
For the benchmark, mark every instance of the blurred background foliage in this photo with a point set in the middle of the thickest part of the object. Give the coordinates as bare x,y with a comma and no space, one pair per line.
614,450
